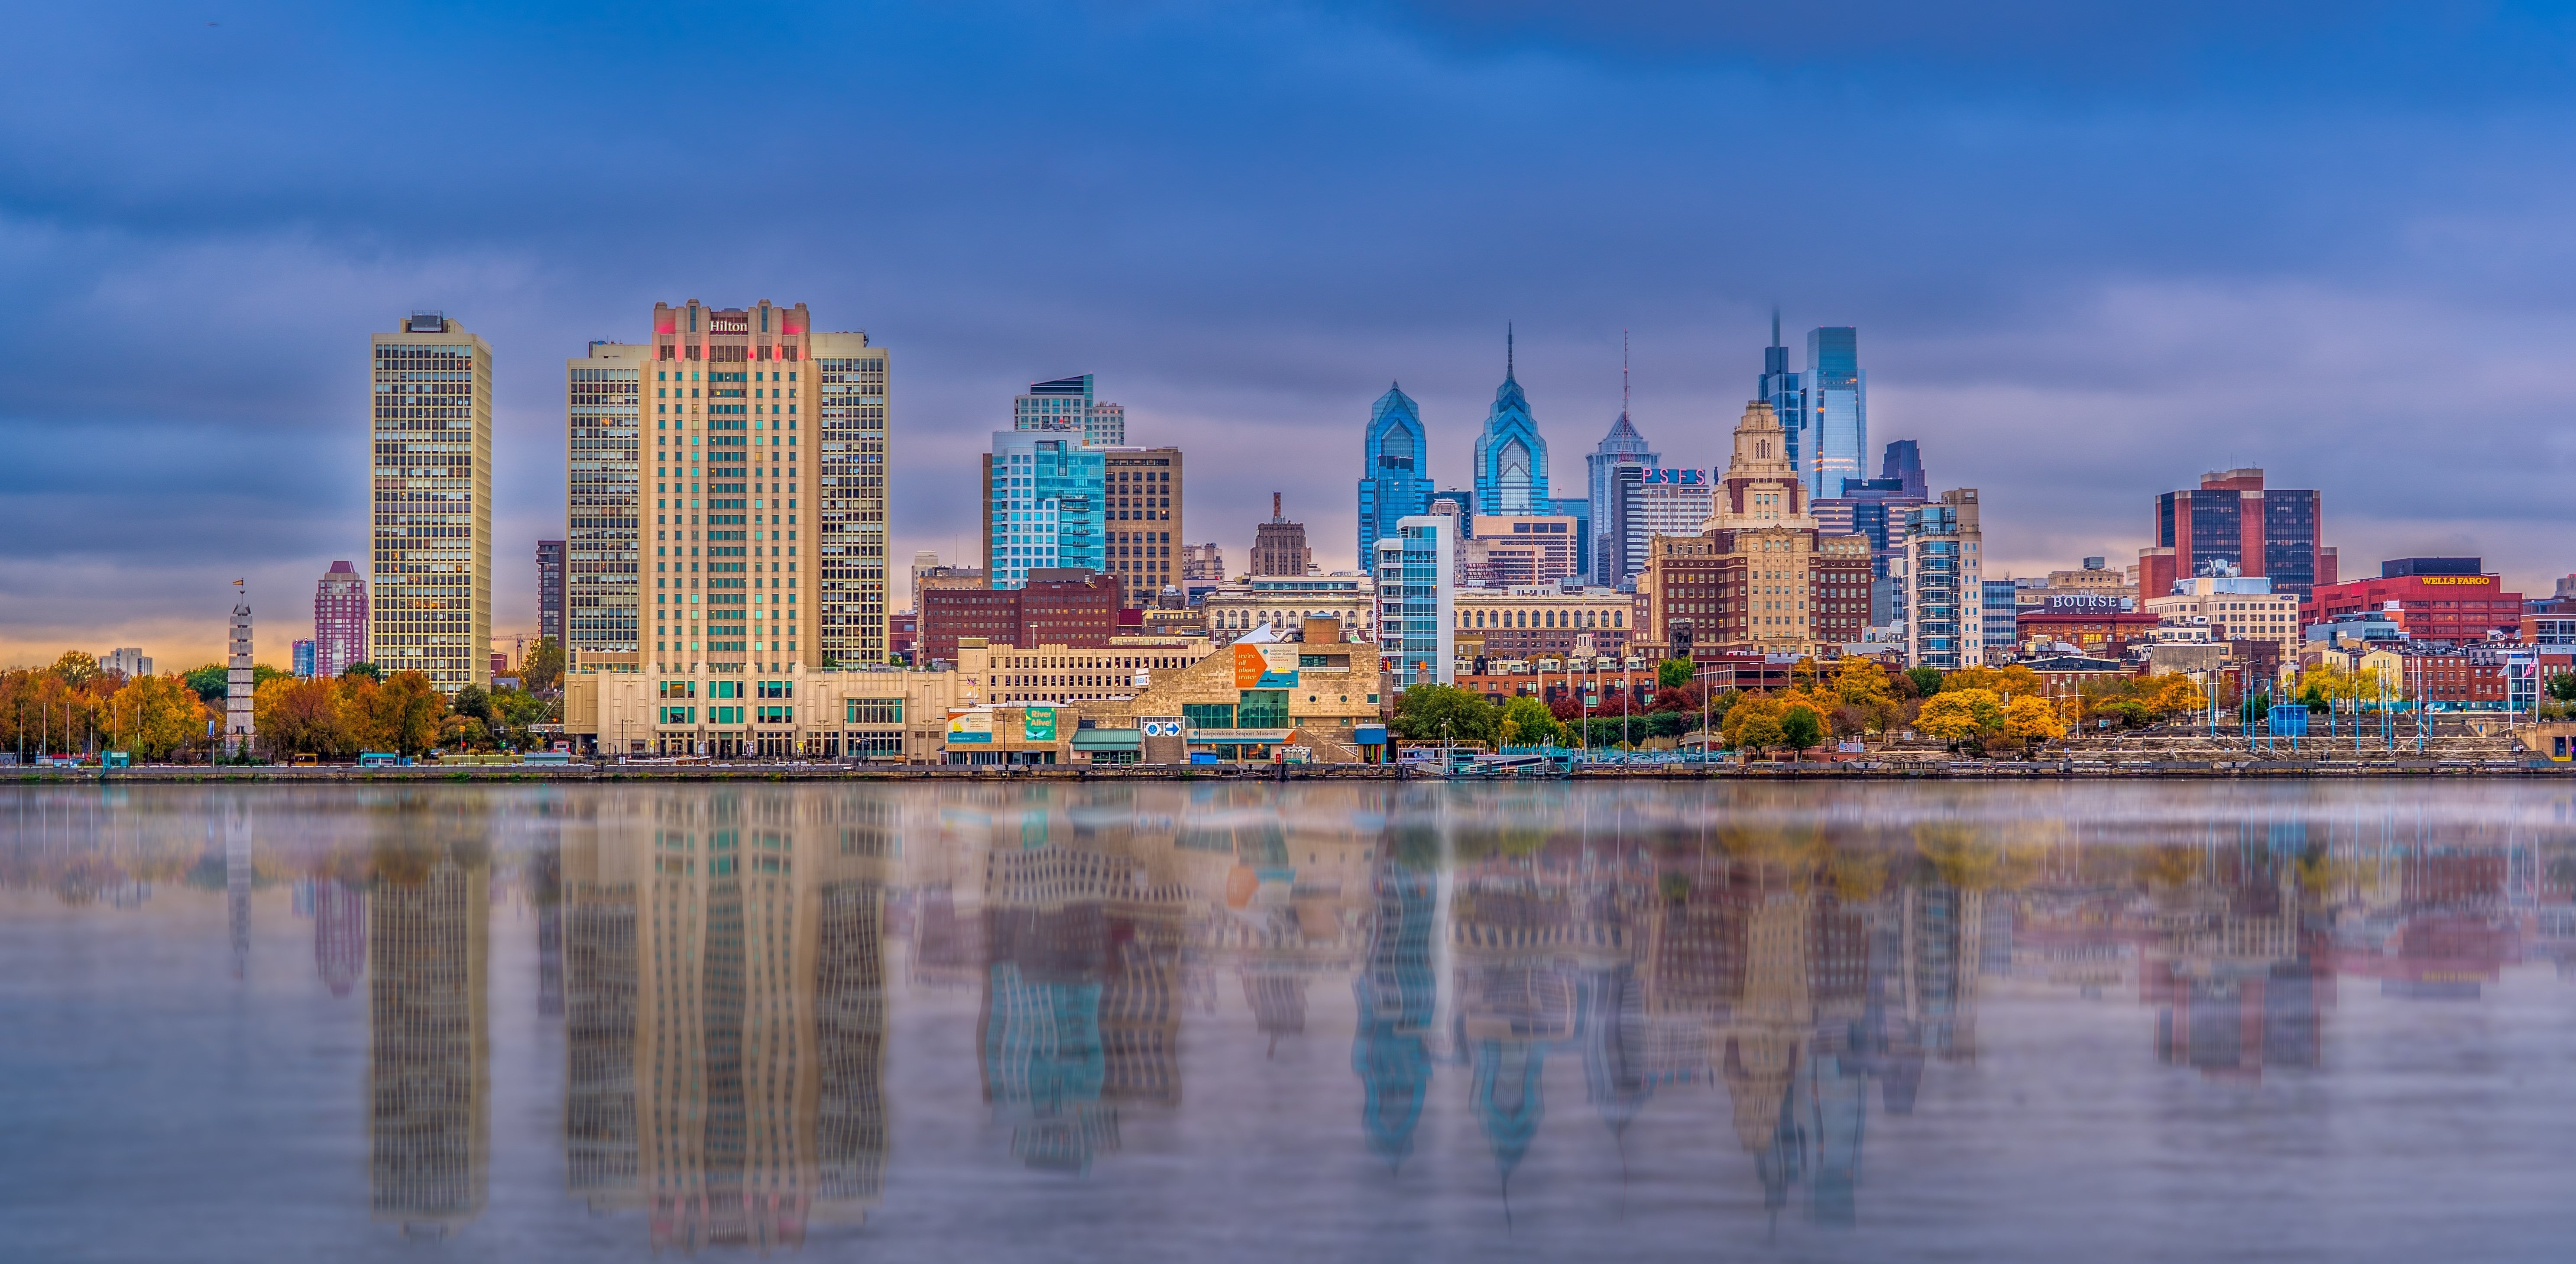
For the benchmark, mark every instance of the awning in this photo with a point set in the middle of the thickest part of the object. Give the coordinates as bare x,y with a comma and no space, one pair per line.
1107,740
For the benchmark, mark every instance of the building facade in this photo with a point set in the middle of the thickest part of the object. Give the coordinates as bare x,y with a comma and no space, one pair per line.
1759,577
1051,607
1837,411
1283,603
339,620
1784,391
431,432
603,503
1522,549
1511,455
1648,502
1042,506
2238,609
1417,575
1068,405
1945,623
1610,557
2454,600
854,402
1142,490
2232,520
1528,622
1395,481
2003,607
1279,546
550,589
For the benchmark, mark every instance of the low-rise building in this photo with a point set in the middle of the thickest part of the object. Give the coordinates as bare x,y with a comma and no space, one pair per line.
1261,696
2434,598
1283,603
878,712
1541,619
1052,607
2101,633
1514,549
2234,609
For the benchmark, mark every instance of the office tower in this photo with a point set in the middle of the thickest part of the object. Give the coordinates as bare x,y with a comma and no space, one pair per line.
1042,505
128,662
429,1125
1837,399
1945,585
1520,549
1649,502
1878,508
2232,521
431,603
1759,575
855,593
237,681
1279,546
1202,563
1417,573
302,652
550,589
1395,477
1142,495
1511,457
1068,405
1783,390
741,402
339,620
1610,558
601,573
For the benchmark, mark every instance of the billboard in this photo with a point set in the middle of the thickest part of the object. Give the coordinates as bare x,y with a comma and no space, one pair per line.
1037,724
1265,666
971,725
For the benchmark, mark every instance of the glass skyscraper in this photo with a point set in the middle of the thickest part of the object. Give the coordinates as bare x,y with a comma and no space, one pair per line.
1828,450
1622,447
1043,495
1784,392
1511,458
1417,574
1394,480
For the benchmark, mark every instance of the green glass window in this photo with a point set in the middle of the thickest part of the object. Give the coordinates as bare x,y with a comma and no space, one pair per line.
1208,715
1264,709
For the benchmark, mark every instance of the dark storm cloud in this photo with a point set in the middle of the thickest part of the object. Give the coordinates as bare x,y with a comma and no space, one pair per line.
2092,250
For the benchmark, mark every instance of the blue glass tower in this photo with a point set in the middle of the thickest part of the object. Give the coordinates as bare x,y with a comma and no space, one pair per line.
1511,458
1784,392
1837,423
1042,500
1394,482
1623,447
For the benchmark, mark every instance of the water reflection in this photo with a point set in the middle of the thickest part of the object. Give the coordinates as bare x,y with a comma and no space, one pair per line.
1735,1000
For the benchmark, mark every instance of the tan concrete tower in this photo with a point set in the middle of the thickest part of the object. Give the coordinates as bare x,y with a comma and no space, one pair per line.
431,479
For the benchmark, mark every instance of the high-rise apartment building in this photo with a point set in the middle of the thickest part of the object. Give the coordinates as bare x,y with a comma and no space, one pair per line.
1042,505
1837,405
1417,573
854,583
768,474
1945,624
339,620
1279,546
431,430
1395,477
1068,404
1511,455
2278,534
1141,495
602,571
550,589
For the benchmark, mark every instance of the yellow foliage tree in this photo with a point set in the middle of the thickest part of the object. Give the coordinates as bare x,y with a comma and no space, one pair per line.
299,717
157,716
2010,681
2176,694
1958,714
2030,716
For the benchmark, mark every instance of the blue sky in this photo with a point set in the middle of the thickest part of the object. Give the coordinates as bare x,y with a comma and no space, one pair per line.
2092,251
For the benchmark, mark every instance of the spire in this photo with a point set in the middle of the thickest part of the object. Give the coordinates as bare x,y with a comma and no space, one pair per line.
1623,372
1775,324
1507,351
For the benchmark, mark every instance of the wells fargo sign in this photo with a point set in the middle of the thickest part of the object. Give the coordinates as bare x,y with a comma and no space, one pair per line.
2459,581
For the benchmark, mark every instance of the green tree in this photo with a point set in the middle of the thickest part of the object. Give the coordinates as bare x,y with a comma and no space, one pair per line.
1801,730
76,668
475,701
1674,673
1927,680
1421,710
368,670
210,682
1527,722
544,667
2563,687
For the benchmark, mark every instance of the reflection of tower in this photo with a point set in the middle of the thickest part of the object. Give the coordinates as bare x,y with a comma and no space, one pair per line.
1396,992
600,977
1278,1001
1799,1050
339,934
237,876
849,1048
1943,928
1615,1072
1515,998
545,889
429,1126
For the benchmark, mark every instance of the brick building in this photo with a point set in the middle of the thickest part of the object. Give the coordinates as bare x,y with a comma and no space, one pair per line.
2233,518
2438,599
1054,607
2105,633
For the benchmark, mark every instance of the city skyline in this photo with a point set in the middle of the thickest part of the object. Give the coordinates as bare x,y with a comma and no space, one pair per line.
2074,302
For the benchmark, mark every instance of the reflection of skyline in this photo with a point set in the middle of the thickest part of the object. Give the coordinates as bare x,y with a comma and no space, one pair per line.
429,1093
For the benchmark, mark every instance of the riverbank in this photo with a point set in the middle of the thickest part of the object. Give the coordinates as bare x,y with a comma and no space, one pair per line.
1843,770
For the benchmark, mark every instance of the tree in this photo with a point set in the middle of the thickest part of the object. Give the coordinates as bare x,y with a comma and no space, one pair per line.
475,701
544,667
2033,718
1421,711
2563,687
1746,712
2011,680
1673,673
210,681
299,717
1927,680
1526,722
400,715
1759,731
75,668
1960,714
1802,729
368,670
1862,686
158,716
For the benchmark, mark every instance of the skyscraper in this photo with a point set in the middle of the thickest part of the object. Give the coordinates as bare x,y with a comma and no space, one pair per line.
1945,623
1279,546
303,651
601,578
1141,498
1042,505
1829,447
2278,534
1783,390
1417,579
855,403
339,620
550,589
431,604
740,399
1511,457
1069,404
1609,559
1395,480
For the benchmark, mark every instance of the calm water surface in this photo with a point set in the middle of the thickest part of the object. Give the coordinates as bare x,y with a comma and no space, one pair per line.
1172,1022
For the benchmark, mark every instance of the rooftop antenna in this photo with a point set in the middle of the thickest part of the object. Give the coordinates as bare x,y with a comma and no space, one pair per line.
1775,324
1275,514
1623,372
1507,350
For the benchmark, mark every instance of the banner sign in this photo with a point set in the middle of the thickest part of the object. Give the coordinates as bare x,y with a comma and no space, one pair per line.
1037,724
970,726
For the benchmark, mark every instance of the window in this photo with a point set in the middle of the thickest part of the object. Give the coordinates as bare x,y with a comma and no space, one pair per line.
1263,709
872,711
1208,715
